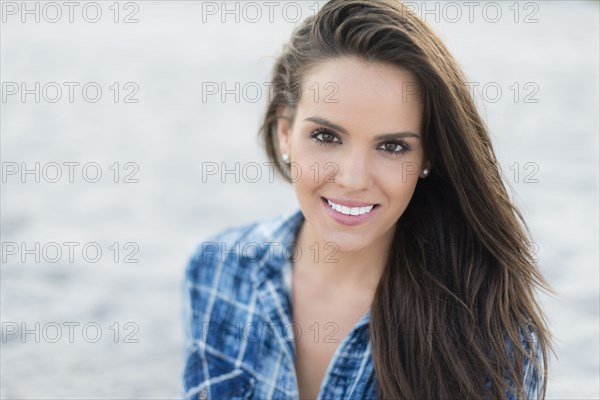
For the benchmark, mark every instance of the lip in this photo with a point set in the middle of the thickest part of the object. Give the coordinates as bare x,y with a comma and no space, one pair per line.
349,220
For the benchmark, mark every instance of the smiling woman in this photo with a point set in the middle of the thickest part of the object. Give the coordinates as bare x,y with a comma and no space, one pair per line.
410,275
354,135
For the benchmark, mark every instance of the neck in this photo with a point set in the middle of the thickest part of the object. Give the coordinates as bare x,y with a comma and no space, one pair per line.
357,270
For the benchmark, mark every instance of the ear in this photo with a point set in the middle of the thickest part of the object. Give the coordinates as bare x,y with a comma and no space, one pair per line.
284,129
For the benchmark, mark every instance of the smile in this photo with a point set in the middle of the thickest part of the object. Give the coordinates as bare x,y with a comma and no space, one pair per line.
350,210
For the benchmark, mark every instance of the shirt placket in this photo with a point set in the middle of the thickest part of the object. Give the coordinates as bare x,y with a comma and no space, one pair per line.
275,299
329,388
276,305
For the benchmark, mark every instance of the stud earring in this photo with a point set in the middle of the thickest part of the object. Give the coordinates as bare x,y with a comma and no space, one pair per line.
425,173
285,158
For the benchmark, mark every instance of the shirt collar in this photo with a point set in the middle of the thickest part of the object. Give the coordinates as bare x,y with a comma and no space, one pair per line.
276,238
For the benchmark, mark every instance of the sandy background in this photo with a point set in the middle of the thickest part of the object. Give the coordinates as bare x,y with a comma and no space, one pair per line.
170,133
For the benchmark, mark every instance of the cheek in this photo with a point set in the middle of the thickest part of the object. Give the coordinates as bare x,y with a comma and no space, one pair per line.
397,180
304,173
400,173
312,164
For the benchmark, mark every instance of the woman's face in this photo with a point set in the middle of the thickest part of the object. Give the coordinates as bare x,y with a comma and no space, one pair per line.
355,141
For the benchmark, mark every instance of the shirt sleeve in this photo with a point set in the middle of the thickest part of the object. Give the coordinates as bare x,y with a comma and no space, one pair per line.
187,311
533,383
198,267
187,318
199,273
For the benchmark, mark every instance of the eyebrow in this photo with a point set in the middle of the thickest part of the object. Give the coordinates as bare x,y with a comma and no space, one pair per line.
329,124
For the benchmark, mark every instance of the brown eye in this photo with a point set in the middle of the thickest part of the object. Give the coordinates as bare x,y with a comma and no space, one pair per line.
395,148
324,136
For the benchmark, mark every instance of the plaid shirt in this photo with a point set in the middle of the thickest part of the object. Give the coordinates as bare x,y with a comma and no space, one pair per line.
238,322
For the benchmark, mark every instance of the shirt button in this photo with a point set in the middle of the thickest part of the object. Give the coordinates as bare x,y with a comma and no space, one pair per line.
203,394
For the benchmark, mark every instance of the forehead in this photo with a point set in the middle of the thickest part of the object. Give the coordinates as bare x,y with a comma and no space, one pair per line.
357,93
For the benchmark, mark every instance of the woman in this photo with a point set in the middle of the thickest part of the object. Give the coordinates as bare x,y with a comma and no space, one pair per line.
406,273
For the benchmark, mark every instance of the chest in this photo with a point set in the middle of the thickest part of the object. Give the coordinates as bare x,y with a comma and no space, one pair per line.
322,319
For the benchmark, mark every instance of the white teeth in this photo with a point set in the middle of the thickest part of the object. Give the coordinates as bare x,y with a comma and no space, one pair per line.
350,210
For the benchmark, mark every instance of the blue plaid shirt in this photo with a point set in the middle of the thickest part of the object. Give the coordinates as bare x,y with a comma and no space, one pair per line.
238,322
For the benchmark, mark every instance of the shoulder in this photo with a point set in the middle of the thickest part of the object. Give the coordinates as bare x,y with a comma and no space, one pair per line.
212,250
232,246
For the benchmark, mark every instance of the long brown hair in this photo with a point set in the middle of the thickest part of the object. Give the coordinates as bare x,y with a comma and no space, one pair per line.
460,278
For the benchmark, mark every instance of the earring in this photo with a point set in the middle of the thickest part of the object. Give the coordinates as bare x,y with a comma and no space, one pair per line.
285,158
425,173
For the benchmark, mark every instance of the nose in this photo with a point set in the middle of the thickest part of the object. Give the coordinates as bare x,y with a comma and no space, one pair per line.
354,171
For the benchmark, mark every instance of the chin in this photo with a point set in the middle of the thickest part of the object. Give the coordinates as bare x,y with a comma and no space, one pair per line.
345,242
